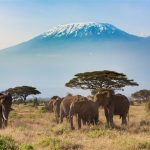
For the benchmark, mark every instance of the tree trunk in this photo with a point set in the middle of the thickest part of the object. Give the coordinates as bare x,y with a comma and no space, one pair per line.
24,99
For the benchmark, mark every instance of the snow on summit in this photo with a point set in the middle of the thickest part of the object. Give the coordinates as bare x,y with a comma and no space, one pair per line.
83,30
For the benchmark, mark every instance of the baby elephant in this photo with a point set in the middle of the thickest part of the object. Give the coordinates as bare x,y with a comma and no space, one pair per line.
86,110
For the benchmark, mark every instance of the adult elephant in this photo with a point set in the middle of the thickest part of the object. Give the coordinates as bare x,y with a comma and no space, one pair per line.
56,108
50,103
5,108
65,105
113,105
86,110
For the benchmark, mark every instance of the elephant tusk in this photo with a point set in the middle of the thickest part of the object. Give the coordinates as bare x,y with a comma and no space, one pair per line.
4,116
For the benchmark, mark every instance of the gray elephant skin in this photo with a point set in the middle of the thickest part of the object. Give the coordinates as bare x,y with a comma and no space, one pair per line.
5,108
114,104
54,106
86,111
65,105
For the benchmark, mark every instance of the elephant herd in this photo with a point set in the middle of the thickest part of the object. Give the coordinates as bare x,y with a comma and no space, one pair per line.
87,111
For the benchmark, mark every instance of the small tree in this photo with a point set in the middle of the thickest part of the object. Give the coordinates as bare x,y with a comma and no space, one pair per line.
141,95
22,92
100,80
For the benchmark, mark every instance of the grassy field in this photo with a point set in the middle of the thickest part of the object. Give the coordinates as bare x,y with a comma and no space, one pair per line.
36,129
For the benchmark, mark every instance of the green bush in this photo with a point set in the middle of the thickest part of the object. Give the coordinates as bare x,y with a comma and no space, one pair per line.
95,133
7,143
26,147
56,144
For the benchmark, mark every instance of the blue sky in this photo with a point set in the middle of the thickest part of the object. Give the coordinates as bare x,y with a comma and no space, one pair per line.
21,20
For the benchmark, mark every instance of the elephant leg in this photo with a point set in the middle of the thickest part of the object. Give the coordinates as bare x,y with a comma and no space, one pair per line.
5,123
61,117
68,119
111,119
57,118
83,121
96,120
92,120
107,115
71,122
124,120
79,122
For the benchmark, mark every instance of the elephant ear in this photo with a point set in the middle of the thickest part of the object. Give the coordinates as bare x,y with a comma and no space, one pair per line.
2,99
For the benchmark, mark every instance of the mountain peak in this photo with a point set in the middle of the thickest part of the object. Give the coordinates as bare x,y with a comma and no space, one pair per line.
81,30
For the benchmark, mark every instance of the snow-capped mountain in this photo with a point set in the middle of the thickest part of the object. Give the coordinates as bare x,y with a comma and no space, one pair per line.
82,30
69,34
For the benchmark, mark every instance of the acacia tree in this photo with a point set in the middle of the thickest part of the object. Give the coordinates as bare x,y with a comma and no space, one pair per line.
22,92
100,80
141,95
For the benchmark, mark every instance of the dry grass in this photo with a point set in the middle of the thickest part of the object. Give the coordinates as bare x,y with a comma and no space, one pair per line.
35,127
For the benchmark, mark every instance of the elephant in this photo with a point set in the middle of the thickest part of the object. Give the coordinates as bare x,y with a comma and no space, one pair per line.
65,105
56,108
5,108
86,110
50,103
114,104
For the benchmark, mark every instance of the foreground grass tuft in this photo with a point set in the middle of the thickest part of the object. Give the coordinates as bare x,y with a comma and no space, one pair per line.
57,144
7,143
144,145
26,147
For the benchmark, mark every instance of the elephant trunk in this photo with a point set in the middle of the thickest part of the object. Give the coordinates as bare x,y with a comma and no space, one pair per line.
4,113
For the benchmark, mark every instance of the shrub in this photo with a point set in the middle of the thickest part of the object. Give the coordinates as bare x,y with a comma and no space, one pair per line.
26,147
35,102
95,133
56,144
69,94
7,143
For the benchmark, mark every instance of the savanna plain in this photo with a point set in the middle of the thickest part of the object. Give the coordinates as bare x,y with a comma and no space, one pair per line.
32,128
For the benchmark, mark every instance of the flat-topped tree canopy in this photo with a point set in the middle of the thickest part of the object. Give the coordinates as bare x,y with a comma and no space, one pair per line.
143,94
23,92
105,79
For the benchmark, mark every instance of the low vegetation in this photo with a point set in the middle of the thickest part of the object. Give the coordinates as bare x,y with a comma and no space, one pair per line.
36,129
7,143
